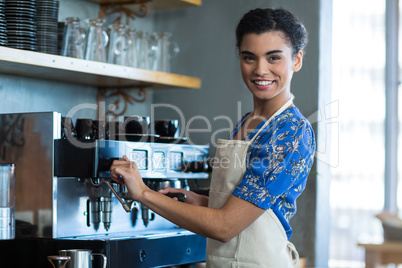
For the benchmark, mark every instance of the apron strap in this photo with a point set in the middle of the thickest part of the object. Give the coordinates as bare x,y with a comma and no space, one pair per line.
294,255
283,108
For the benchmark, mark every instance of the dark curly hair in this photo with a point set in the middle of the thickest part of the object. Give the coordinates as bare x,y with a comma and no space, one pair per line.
260,21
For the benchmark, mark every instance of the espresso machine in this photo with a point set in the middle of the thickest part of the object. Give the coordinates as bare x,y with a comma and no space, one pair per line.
64,190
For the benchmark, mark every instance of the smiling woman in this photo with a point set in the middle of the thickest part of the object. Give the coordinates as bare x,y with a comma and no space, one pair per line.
266,159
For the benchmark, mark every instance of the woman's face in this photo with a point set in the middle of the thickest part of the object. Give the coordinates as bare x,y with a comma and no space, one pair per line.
267,65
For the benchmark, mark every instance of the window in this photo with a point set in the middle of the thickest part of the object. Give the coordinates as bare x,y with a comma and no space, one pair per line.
357,186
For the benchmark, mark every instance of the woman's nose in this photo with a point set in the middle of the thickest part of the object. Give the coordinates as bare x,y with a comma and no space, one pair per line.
261,68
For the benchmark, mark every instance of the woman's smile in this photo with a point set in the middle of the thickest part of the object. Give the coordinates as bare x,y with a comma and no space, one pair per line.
263,84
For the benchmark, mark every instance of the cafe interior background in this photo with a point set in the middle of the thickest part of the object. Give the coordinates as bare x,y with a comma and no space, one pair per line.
347,88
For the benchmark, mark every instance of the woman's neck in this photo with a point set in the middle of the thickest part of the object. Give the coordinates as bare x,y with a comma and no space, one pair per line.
266,108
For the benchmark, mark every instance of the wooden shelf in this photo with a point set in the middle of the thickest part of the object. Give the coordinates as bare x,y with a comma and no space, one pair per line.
84,72
155,4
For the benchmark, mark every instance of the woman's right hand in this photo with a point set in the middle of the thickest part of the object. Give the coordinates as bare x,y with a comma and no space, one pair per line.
127,173
191,197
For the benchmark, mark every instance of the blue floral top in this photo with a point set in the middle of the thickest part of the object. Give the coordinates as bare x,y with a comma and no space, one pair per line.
278,163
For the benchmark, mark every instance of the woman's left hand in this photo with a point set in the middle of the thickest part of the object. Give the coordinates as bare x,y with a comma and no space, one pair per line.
191,197
127,173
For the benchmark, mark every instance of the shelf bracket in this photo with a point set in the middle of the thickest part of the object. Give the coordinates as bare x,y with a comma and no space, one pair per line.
122,99
107,9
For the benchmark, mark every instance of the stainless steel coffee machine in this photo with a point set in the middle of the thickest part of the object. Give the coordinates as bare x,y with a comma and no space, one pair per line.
63,188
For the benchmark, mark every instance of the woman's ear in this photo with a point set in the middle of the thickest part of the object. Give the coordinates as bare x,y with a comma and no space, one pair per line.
298,61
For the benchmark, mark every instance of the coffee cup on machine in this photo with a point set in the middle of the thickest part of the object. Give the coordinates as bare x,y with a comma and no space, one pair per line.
68,130
81,258
167,127
135,124
84,128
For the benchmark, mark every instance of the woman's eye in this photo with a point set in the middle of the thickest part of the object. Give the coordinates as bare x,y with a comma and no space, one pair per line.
248,58
274,58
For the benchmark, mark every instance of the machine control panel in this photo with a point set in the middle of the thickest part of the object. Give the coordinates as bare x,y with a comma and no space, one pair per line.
154,160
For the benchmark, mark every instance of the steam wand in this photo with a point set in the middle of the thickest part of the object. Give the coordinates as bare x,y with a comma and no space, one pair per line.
125,206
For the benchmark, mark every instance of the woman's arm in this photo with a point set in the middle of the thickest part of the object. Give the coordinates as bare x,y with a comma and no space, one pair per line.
221,224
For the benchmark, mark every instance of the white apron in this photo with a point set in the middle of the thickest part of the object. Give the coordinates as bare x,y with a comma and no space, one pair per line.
262,244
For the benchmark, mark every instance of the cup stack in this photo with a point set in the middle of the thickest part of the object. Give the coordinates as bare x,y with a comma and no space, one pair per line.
21,24
3,26
47,25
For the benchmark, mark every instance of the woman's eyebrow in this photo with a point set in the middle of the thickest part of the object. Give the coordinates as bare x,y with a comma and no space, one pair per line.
245,52
273,52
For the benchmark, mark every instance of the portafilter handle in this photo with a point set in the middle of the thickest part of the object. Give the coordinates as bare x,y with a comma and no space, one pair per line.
180,197
126,207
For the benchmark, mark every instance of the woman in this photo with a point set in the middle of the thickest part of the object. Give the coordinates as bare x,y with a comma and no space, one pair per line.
246,216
